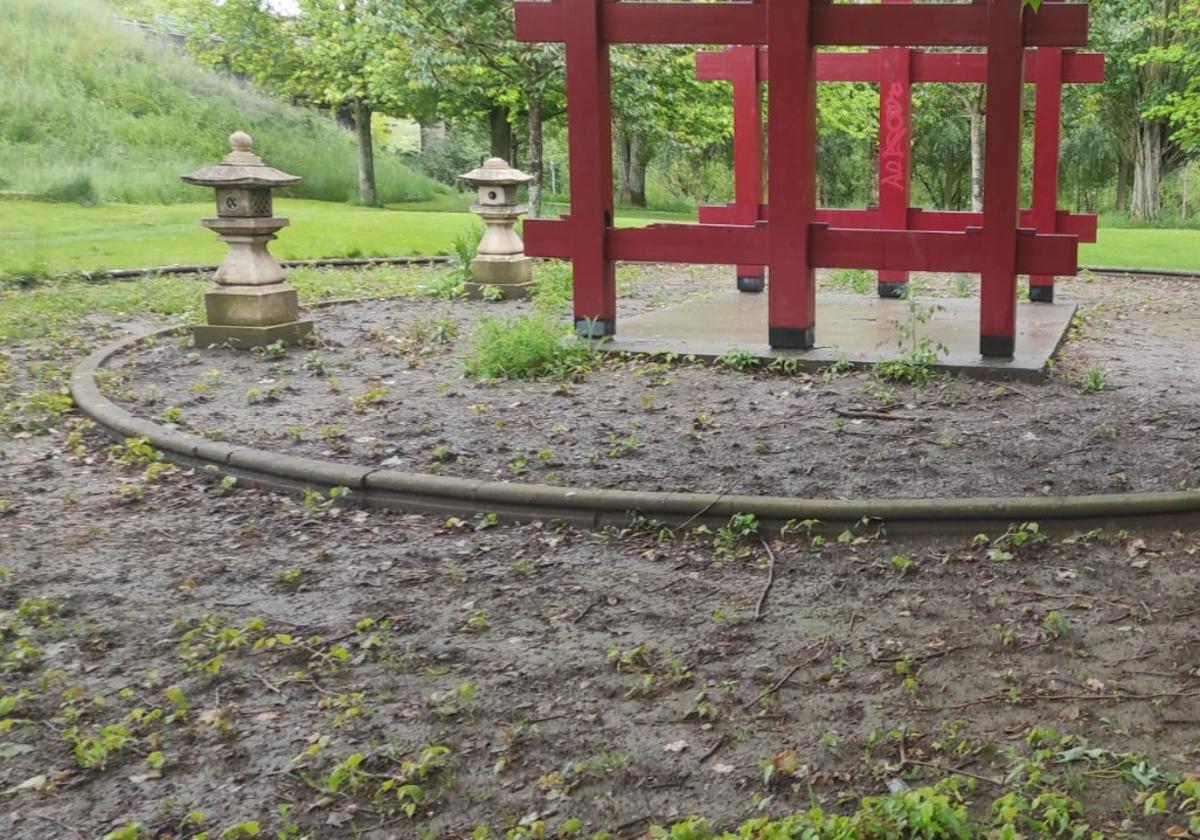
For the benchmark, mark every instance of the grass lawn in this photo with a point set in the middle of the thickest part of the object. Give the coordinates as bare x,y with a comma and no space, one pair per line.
67,237
1177,249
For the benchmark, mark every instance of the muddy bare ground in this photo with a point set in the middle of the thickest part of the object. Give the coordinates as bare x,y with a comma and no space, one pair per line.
386,388
617,678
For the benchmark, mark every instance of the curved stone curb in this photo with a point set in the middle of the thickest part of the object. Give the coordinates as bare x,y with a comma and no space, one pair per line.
208,268
1142,272
421,493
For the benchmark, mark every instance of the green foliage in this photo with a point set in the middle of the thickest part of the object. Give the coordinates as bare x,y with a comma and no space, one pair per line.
738,359
732,540
919,353
394,786
92,110
553,290
857,280
526,347
927,813
1095,379
1055,624
466,246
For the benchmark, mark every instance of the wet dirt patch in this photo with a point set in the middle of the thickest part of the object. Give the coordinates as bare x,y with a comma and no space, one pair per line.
386,387
188,655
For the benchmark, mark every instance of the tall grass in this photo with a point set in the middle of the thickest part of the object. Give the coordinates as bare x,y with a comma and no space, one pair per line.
92,110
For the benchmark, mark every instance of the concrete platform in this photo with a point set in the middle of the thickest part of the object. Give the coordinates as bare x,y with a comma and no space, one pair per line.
855,327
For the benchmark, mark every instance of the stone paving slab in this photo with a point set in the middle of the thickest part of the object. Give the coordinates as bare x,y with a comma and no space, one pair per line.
858,328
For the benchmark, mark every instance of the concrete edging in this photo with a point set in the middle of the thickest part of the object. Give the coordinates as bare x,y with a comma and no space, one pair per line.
204,268
430,494
1142,272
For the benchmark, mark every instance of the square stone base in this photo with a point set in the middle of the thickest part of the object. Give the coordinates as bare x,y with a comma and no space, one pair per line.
513,276
243,338
252,306
860,329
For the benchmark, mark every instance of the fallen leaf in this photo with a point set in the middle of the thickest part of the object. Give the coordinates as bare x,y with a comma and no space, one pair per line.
1135,547
676,746
8,750
723,769
32,783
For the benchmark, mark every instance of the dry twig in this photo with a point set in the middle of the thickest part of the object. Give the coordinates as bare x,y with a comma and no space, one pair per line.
762,598
780,682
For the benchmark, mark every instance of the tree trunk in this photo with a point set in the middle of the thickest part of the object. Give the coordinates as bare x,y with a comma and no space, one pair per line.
535,156
1121,200
639,156
622,142
501,133
632,157
432,135
1183,190
975,112
366,155
1147,173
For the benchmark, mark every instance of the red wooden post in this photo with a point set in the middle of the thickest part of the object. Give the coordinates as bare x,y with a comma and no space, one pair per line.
1047,117
791,173
895,130
1001,178
589,139
747,152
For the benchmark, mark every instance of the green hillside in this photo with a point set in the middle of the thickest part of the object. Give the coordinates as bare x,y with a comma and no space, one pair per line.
93,110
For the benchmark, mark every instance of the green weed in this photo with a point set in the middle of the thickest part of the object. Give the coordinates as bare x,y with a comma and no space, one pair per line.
526,347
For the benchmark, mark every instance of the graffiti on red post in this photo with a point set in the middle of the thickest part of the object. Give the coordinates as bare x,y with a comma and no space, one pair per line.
896,151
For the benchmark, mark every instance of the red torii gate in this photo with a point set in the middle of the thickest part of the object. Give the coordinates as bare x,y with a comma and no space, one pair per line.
896,69
794,241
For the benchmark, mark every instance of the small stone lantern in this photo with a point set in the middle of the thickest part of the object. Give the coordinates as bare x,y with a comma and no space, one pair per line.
250,305
500,260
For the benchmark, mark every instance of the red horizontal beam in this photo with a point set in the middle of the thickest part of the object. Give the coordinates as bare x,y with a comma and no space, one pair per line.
897,250
892,25
927,68
1081,225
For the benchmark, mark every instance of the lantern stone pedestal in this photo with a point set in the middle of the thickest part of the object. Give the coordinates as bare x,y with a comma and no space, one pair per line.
250,305
500,262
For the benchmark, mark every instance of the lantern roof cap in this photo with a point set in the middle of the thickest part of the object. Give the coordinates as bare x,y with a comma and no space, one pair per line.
241,168
495,172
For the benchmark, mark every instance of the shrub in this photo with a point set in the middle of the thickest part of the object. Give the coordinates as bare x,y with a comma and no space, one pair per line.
553,290
466,246
526,347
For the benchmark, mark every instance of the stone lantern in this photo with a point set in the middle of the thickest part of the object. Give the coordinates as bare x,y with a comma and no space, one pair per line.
500,260
250,305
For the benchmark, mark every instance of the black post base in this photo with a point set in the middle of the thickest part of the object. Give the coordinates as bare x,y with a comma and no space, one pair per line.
595,327
751,284
1000,346
794,338
1041,294
892,290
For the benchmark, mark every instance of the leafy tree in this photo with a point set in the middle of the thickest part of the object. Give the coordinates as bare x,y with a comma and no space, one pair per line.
336,54
1147,42
1181,107
467,62
942,158
660,107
